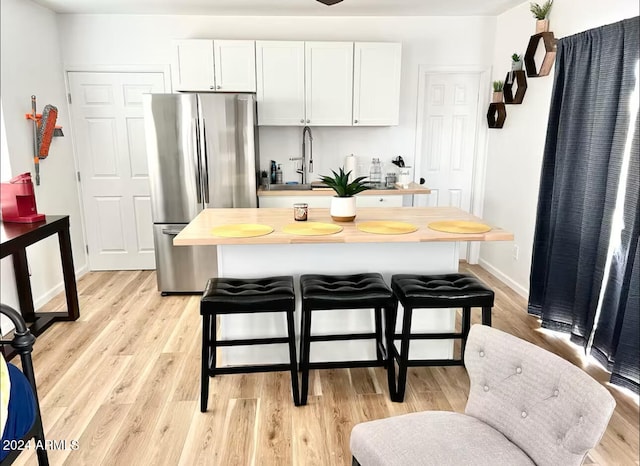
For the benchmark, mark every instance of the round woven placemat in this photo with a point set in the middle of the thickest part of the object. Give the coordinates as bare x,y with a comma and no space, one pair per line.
384,227
459,226
241,230
312,228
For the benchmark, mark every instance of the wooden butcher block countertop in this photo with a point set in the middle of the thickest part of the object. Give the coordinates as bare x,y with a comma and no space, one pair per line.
199,231
413,188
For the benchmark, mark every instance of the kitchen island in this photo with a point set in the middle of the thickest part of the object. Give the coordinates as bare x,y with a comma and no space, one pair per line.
348,251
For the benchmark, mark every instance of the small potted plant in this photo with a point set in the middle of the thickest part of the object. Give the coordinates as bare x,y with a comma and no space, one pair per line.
541,13
516,62
498,86
343,204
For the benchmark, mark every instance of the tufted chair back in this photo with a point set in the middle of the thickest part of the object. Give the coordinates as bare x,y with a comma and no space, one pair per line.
551,409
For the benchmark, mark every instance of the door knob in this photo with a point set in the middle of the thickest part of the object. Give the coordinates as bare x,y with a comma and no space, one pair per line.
302,121
308,121
355,121
422,181
218,87
210,87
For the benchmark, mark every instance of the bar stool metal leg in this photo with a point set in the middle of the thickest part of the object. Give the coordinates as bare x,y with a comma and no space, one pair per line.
292,358
380,352
304,359
465,327
213,354
204,374
404,353
390,316
486,315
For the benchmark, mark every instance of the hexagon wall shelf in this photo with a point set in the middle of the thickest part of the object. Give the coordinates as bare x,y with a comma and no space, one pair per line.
519,81
550,47
496,115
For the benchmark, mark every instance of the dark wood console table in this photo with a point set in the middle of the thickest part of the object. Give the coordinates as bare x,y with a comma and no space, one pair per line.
15,239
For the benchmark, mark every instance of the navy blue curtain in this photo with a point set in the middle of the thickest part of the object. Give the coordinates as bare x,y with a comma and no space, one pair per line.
577,284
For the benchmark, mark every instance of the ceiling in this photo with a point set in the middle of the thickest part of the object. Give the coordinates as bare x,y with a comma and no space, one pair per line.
286,7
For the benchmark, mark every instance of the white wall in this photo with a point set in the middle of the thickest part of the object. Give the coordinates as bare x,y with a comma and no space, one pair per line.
132,40
515,151
9,294
31,64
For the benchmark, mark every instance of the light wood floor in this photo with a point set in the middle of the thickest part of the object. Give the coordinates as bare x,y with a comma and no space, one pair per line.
124,382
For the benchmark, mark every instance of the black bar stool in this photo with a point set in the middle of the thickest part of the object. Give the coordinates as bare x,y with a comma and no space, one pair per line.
330,292
436,291
240,296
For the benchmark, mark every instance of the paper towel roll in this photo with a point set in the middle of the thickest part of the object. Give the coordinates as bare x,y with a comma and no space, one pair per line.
350,166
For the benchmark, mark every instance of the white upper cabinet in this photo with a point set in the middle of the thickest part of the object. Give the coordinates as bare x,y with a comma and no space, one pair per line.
298,83
376,85
280,83
328,83
193,70
235,65
304,83
208,65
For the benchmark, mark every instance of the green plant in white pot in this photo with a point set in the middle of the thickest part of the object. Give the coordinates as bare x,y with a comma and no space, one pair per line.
516,62
343,204
498,87
541,14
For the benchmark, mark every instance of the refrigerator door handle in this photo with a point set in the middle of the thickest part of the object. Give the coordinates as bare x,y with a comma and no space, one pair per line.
170,231
205,163
196,133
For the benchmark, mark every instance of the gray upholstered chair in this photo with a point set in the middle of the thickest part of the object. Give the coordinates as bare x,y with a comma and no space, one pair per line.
526,406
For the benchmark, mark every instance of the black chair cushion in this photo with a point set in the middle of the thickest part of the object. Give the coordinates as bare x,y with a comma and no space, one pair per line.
229,295
358,291
449,290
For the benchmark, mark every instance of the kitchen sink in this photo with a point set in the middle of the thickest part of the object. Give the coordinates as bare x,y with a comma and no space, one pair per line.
289,187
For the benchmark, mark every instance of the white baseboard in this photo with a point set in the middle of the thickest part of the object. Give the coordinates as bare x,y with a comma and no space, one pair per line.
40,301
521,290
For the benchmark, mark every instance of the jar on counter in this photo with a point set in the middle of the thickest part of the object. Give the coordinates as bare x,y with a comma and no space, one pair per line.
300,212
375,173
390,180
390,176
405,176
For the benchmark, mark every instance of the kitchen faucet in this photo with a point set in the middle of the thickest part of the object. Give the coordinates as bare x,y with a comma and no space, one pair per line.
302,171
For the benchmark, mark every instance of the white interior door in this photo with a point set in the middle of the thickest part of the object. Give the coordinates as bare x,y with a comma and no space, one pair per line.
108,129
448,129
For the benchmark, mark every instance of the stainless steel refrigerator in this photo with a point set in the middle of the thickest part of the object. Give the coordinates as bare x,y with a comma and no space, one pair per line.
202,152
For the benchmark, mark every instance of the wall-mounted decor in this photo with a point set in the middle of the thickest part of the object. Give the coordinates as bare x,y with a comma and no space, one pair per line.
498,87
550,47
516,62
541,13
44,128
496,115
515,86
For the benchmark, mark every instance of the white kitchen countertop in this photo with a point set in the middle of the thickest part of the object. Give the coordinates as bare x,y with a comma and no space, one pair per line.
414,188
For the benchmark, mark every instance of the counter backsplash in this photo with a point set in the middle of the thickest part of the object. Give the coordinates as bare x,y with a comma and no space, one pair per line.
330,147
